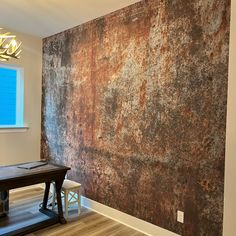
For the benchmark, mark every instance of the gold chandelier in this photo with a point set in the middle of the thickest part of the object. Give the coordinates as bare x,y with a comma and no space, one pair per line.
9,48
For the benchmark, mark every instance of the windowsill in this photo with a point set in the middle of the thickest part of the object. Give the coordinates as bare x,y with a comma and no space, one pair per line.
13,129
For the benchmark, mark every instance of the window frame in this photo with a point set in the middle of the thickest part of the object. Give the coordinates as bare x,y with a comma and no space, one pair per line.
19,99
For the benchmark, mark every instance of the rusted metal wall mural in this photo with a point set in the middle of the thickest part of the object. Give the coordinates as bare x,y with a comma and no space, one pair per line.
135,103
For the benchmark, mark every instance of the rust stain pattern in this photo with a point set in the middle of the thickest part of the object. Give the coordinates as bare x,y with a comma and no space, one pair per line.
135,103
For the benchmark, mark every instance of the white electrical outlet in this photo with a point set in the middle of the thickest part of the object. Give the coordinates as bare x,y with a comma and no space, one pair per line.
180,216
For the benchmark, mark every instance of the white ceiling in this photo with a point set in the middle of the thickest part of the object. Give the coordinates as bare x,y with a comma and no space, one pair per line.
47,17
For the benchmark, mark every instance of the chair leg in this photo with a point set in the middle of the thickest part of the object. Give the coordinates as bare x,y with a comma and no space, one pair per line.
66,203
79,204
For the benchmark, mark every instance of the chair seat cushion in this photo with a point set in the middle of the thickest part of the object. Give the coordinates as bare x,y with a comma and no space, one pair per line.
69,184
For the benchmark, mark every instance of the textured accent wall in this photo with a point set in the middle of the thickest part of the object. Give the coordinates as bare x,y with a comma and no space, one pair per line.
135,103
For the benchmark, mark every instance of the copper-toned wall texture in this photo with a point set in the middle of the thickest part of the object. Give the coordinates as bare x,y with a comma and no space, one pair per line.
135,103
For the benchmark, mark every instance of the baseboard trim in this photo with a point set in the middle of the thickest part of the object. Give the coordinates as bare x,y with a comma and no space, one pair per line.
128,220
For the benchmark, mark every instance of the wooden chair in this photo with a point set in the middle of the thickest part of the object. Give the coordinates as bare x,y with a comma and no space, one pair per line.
71,193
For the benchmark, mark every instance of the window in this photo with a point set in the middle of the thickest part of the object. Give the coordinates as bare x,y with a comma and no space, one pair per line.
11,97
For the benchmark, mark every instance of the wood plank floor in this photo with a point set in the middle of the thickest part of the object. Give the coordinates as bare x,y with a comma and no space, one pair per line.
25,203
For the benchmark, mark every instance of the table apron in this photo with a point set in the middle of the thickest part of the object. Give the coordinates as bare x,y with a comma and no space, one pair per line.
31,180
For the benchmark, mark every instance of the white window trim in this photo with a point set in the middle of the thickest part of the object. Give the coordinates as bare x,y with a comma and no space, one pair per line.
20,126
13,129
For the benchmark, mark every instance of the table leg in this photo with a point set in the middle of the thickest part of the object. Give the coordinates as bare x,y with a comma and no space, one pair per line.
45,198
58,184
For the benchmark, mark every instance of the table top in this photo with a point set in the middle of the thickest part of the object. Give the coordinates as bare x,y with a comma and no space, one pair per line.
13,171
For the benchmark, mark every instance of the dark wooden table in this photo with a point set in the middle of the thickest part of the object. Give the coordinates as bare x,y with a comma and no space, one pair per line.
12,177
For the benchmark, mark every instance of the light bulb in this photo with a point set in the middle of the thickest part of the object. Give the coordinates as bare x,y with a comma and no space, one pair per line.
13,43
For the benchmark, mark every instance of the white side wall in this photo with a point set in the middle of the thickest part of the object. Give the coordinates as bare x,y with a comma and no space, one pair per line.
230,165
17,147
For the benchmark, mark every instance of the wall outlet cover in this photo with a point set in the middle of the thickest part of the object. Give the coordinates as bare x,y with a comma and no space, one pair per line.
180,216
